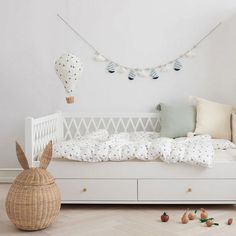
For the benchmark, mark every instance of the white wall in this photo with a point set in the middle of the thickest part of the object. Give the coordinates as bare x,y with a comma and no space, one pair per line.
136,33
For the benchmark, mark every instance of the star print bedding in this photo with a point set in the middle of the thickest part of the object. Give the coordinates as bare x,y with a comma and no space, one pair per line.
146,146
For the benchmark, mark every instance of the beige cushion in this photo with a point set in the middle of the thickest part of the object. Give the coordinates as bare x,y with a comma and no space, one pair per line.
213,119
234,128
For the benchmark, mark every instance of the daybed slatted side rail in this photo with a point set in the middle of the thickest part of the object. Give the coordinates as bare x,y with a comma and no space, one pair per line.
76,125
58,126
38,132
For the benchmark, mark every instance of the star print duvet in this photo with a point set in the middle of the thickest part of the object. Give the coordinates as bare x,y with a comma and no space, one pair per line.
146,146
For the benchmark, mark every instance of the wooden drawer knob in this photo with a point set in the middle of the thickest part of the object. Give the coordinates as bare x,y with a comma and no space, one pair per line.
84,190
189,190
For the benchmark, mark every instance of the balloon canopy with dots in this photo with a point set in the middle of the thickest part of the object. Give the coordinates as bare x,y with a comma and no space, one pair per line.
68,69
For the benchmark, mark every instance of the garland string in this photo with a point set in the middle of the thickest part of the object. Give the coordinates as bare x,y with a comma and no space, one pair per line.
131,68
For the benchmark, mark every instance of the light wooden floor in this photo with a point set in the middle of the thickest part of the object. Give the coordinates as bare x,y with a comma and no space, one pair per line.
124,220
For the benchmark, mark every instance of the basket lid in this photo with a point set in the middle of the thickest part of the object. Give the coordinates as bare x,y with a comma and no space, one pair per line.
34,176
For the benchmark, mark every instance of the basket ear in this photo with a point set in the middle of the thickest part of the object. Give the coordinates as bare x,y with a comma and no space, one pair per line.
46,156
21,157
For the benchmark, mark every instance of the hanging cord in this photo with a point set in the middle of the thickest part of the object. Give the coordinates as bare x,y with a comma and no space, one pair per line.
130,68
76,32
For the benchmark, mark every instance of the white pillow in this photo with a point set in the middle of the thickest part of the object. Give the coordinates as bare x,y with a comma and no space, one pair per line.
213,119
234,128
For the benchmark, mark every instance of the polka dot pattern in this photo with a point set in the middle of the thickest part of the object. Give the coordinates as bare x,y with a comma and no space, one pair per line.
100,146
222,144
69,68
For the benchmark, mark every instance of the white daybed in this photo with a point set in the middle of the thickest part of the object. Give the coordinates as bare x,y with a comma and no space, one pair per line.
128,182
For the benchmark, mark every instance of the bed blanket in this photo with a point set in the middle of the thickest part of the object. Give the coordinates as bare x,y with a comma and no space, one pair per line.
147,146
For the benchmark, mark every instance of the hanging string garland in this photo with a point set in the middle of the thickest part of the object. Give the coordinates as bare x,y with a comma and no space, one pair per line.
153,72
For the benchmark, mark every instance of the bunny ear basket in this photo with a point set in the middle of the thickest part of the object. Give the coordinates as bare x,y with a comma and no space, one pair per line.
33,201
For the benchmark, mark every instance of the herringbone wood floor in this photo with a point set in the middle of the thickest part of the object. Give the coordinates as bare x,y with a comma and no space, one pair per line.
124,220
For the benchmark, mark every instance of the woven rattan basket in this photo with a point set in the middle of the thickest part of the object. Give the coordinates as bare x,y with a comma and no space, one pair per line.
33,201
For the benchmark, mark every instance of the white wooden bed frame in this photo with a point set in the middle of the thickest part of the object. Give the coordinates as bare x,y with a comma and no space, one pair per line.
129,182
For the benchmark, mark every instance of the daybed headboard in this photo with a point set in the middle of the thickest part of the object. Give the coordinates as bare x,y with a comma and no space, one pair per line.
76,125
59,126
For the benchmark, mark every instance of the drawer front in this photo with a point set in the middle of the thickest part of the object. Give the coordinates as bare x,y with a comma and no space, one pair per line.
169,190
97,190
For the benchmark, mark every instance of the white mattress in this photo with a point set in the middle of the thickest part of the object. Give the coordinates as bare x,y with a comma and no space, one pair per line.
225,155
219,156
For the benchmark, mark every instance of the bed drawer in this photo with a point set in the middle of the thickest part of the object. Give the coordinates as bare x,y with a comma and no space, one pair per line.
169,190
97,189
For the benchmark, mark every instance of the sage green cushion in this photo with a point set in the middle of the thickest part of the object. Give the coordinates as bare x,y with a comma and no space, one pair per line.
177,121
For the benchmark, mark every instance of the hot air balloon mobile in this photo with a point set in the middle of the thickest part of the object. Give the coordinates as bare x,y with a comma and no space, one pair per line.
69,68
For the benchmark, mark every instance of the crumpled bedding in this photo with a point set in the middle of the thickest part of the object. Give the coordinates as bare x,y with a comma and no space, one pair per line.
147,146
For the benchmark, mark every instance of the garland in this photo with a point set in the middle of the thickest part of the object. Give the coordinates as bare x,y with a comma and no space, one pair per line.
132,72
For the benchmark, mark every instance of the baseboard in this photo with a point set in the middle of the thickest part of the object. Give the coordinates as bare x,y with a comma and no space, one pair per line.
7,175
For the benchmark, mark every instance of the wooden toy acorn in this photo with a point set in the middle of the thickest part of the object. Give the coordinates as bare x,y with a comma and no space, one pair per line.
33,201
203,214
192,215
230,221
185,218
